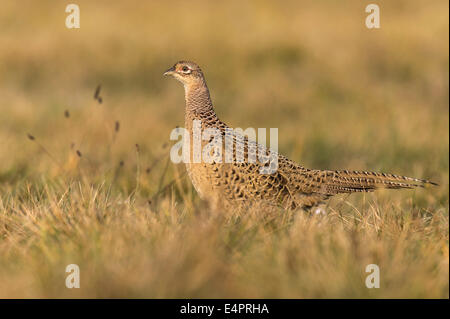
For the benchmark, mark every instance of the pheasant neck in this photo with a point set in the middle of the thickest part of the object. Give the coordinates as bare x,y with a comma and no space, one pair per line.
198,103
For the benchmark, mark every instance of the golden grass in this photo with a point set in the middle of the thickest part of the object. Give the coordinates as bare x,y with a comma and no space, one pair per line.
341,95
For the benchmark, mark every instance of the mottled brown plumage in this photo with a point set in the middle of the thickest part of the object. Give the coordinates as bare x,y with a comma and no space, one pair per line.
240,185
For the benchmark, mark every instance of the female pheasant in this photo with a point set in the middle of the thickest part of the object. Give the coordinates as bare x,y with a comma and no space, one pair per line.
241,184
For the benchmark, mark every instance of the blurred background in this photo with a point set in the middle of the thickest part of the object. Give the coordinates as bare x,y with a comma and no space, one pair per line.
341,95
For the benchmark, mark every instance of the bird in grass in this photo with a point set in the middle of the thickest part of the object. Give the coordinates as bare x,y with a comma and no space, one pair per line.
242,185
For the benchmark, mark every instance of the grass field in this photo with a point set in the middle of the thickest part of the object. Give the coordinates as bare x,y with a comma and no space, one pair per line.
75,189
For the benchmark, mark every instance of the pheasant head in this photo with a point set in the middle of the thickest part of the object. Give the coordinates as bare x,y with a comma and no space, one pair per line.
188,73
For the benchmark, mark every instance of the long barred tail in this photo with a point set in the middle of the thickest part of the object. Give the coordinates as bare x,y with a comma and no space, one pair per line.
360,181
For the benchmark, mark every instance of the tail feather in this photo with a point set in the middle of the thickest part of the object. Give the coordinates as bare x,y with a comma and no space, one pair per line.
362,181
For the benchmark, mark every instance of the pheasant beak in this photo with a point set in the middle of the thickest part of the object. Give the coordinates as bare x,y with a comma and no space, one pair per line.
170,71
